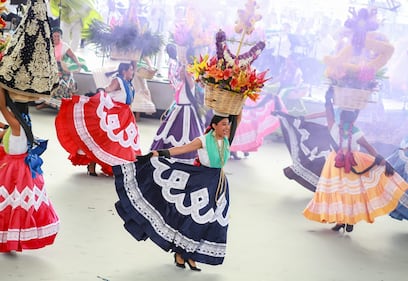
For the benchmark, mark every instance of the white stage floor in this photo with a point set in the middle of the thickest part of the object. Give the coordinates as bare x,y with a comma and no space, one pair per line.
269,239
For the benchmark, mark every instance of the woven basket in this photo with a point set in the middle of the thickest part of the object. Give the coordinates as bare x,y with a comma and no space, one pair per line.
125,55
145,73
222,100
350,98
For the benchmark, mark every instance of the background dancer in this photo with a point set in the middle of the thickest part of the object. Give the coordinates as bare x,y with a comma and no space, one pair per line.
351,179
28,219
182,123
101,128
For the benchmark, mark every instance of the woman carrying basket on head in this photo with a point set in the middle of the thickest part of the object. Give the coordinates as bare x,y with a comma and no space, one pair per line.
353,186
101,129
182,208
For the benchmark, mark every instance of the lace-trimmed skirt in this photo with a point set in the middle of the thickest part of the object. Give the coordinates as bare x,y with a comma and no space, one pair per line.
97,129
181,126
349,198
28,219
257,122
179,207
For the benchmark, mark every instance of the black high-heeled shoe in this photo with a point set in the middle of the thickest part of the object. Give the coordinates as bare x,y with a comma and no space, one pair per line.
93,174
181,265
349,227
193,267
338,227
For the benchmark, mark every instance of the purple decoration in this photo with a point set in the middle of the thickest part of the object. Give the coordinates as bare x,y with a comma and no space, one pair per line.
361,23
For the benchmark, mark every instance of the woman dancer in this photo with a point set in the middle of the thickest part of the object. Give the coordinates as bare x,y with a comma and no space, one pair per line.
257,122
182,208
353,186
28,219
101,128
399,161
143,98
181,124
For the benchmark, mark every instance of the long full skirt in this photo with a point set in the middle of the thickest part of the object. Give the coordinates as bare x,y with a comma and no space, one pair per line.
180,207
27,217
349,198
257,122
97,129
308,144
399,161
180,127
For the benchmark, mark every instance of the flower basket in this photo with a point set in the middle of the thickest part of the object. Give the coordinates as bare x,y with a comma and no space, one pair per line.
125,55
350,98
222,100
145,72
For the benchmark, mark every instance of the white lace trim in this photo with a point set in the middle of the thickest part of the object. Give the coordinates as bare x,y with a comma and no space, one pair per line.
167,137
158,223
30,233
294,151
108,127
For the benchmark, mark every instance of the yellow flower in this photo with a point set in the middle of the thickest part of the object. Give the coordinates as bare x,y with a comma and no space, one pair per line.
198,66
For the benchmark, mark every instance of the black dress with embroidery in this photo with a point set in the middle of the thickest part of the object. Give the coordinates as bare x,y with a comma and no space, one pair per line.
180,207
29,66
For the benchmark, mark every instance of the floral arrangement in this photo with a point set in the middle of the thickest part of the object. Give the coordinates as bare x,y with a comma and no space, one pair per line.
126,37
233,72
365,79
360,64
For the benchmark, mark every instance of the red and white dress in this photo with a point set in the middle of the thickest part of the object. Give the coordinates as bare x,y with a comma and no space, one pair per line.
100,129
27,217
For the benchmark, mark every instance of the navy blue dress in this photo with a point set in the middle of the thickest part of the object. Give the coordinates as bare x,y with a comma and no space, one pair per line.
180,207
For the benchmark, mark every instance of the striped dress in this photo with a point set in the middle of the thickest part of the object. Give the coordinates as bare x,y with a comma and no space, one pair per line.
350,198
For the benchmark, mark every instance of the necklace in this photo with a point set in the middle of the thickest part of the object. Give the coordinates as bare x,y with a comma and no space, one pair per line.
221,181
220,149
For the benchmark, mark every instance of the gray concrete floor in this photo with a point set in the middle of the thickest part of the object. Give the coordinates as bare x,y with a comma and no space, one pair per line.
269,239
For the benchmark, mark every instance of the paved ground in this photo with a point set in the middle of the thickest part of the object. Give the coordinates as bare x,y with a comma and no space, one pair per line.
269,239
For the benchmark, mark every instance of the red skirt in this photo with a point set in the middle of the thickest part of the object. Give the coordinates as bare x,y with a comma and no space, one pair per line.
27,217
97,129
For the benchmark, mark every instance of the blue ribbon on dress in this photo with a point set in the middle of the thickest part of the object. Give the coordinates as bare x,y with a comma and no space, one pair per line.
33,159
130,92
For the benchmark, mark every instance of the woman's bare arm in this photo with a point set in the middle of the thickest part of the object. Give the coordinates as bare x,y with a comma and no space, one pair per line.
189,147
10,119
113,86
72,55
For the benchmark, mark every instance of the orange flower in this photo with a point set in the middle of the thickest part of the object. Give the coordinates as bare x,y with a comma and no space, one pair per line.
242,80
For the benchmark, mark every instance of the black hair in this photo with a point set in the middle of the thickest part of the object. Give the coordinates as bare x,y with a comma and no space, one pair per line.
349,116
20,111
171,50
217,119
232,119
122,67
56,29
22,107
190,55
